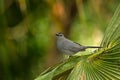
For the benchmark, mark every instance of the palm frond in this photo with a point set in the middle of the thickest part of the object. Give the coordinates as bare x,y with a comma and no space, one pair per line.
112,33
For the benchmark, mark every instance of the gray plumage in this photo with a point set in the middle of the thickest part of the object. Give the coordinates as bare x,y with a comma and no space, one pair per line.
69,47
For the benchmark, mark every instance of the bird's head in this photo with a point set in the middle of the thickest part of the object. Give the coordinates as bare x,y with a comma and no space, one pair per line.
59,35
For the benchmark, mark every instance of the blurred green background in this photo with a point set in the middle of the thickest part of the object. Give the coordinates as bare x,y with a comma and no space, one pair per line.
28,27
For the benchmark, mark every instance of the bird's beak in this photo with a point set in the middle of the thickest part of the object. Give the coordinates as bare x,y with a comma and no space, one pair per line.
57,34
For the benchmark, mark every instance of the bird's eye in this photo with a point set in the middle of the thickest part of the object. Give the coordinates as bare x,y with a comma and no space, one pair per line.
60,35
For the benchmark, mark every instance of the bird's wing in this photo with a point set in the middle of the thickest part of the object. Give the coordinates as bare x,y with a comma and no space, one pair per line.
73,47
77,43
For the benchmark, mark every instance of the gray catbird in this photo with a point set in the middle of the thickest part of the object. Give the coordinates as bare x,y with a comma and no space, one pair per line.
69,47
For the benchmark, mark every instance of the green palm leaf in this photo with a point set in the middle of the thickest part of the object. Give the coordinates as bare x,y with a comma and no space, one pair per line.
104,64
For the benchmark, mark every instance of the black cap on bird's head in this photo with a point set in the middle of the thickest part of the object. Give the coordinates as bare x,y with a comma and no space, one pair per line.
59,34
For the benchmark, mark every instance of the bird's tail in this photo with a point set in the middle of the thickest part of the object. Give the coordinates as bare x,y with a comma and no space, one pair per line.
93,47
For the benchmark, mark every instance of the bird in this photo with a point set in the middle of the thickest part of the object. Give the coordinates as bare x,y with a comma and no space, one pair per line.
69,47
